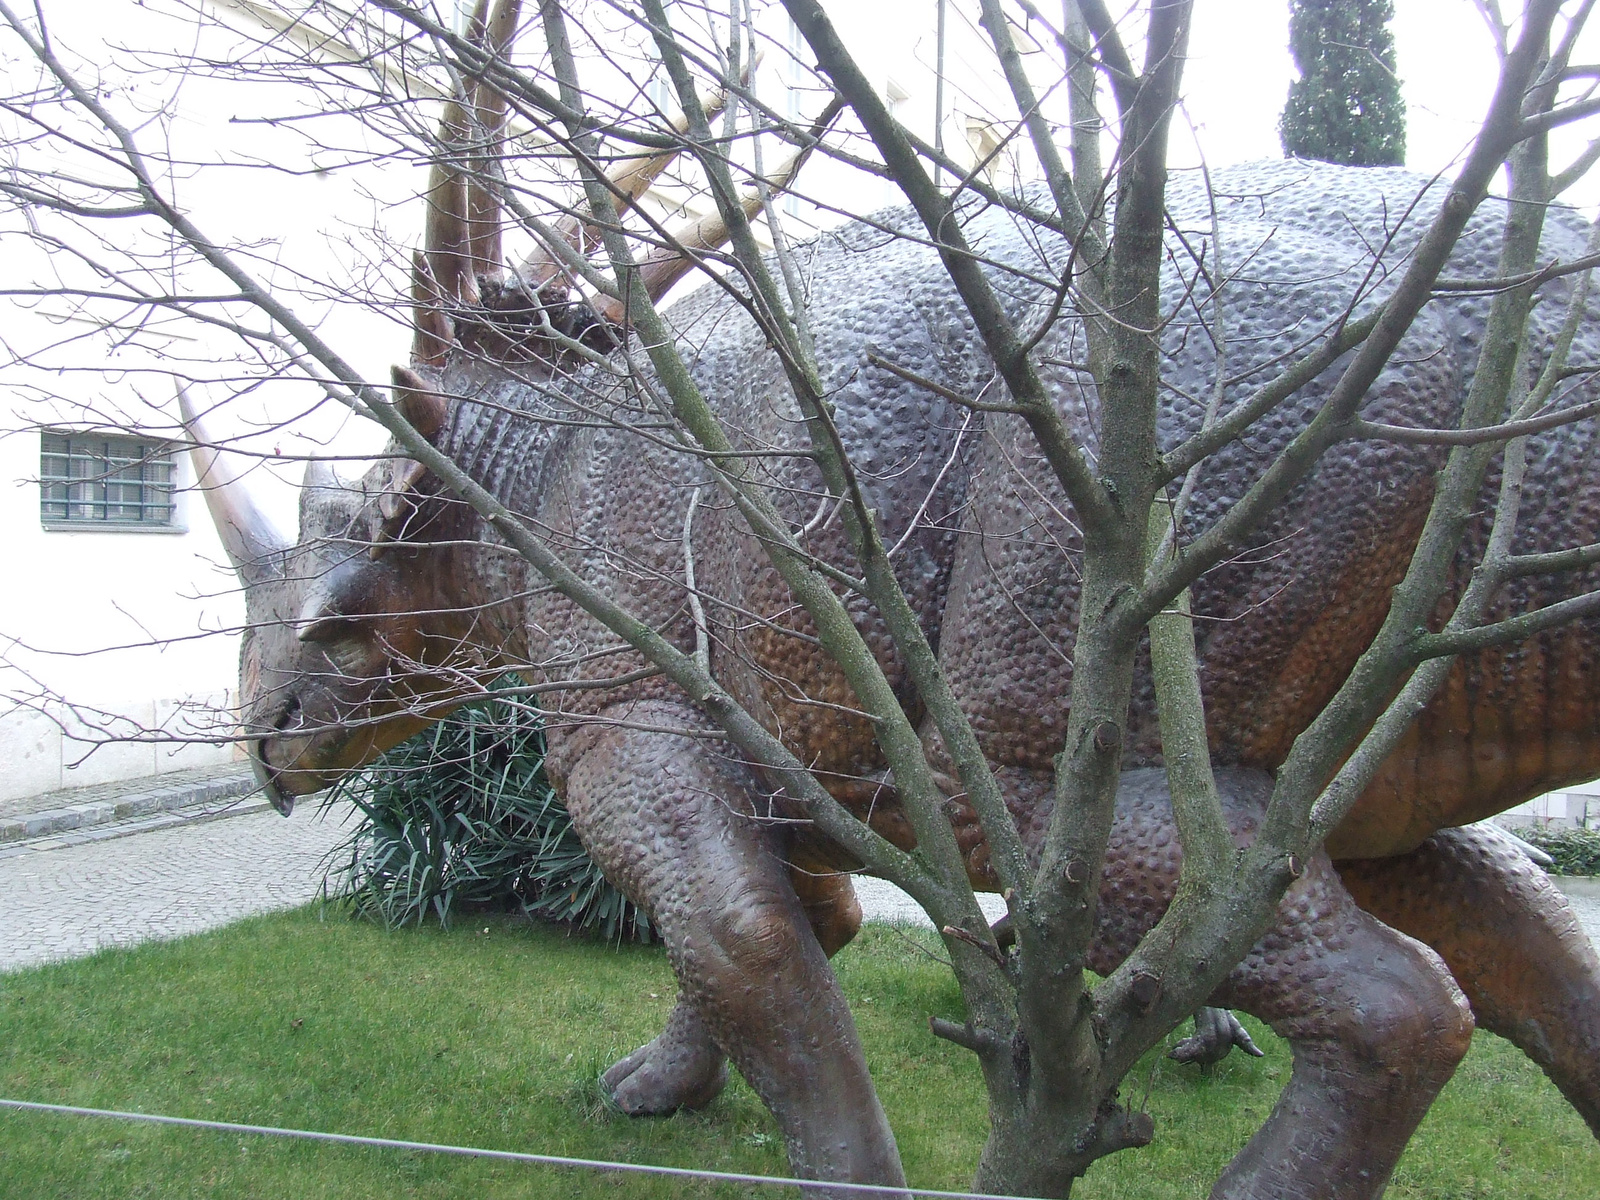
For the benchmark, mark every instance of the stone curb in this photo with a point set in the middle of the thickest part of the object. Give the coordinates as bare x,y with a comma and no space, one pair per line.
128,806
1578,885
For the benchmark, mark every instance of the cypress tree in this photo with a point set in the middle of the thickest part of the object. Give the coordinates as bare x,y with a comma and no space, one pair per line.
1346,105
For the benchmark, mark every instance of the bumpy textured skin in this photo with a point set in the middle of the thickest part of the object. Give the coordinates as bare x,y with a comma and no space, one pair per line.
991,569
1375,1021
1522,959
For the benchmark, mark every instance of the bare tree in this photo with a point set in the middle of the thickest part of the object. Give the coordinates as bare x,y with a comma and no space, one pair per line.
1140,404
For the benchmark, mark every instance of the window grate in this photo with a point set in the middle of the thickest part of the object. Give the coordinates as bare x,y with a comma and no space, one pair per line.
94,479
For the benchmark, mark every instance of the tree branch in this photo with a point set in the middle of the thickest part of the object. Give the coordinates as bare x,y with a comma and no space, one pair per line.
1474,437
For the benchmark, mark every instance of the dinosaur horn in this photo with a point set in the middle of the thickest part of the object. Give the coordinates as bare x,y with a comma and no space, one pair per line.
319,474
710,232
462,228
248,537
447,246
489,102
432,330
629,179
633,176
668,264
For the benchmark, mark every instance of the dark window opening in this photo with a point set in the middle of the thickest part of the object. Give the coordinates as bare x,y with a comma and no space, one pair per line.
92,479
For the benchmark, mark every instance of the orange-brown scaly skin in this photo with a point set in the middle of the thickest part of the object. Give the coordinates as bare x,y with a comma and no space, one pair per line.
1509,724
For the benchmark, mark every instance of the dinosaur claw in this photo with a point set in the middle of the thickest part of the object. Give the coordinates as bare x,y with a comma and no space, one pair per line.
1217,1033
681,1068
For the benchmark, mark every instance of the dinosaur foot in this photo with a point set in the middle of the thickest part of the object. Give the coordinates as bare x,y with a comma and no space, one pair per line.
1217,1033
681,1068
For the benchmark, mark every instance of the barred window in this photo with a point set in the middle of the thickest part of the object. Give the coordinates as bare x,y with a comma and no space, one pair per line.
91,479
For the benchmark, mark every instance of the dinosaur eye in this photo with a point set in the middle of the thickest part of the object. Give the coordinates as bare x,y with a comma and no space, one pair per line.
326,615
349,657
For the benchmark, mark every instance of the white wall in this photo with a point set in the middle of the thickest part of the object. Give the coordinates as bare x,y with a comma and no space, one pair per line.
1578,806
125,634
135,629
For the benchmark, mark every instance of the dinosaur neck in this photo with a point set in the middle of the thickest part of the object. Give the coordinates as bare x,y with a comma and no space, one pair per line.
501,437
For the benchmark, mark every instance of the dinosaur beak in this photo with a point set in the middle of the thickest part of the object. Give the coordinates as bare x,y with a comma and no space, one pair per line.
276,796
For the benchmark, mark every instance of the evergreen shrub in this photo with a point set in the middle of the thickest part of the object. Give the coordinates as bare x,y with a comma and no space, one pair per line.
1576,851
461,817
1346,106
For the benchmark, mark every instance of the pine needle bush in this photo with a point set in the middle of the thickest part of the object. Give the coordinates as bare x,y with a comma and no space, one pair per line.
461,817
1576,851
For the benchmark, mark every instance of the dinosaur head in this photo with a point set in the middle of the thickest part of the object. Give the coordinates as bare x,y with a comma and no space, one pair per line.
359,632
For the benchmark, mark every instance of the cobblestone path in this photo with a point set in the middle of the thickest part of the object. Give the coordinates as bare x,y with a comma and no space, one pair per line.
65,901
1587,906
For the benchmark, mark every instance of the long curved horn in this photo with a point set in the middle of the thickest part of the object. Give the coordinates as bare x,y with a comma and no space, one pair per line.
628,180
633,176
462,227
247,535
493,31
671,262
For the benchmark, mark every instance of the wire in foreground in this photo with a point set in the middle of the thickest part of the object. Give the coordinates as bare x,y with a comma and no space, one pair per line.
806,1186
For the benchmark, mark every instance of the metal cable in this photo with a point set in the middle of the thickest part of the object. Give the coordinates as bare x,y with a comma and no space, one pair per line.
807,1186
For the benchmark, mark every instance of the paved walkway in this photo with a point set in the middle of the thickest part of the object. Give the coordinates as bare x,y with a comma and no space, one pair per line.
1585,897
179,873
137,804
60,900
131,796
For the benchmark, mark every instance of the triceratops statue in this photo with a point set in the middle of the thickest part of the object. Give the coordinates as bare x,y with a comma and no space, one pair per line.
396,598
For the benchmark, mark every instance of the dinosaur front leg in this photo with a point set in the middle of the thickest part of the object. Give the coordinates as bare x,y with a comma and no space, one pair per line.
669,819
1377,1028
1511,940
683,1067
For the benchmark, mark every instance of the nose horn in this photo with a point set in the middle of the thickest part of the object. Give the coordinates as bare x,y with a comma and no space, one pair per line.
319,474
247,535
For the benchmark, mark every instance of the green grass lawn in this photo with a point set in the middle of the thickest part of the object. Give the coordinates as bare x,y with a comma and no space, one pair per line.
492,1035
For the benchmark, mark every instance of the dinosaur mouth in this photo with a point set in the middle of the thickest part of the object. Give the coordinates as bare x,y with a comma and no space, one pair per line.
287,718
268,779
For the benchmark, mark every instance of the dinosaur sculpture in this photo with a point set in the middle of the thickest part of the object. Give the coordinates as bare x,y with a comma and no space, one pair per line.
394,594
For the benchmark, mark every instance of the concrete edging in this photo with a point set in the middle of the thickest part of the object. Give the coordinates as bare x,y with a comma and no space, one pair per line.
1578,885
128,805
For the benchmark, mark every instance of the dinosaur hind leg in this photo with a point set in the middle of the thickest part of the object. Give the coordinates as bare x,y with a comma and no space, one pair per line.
1511,940
1374,1020
1377,1027
826,894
